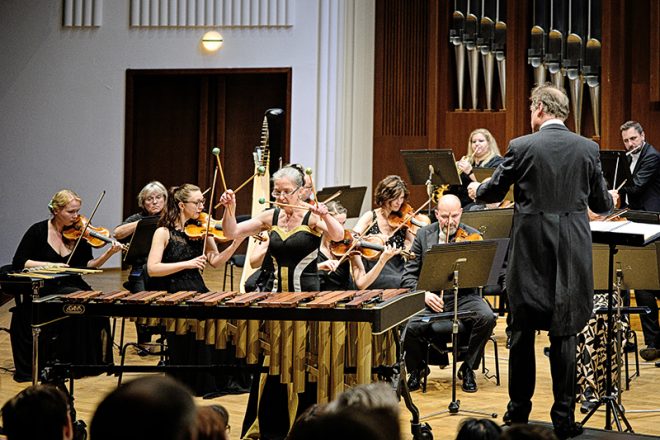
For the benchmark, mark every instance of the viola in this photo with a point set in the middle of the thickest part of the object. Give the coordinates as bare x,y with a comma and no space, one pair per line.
463,235
96,236
406,215
370,246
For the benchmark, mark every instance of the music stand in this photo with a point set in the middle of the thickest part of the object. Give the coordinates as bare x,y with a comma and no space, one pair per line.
440,271
482,174
351,198
140,243
616,168
614,234
492,223
439,165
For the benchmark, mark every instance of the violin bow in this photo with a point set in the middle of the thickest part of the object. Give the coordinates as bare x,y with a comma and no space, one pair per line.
89,221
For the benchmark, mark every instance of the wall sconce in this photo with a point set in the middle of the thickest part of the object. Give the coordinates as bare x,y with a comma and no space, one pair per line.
212,41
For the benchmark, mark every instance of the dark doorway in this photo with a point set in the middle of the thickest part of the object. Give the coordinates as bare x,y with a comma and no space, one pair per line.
174,118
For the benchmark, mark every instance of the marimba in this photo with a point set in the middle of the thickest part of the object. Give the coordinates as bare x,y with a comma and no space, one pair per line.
302,336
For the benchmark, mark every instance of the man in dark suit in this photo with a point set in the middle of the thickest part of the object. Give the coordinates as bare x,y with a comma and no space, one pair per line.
481,323
556,175
644,194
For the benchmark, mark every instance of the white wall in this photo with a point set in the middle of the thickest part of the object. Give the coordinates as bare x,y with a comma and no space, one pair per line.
62,94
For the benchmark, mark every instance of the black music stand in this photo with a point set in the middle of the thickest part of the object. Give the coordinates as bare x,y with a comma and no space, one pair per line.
443,264
351,198
492,223
616,168
436,166
140,243
614,234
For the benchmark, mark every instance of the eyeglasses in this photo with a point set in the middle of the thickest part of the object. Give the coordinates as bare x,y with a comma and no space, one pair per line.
196,202
152,199
276,194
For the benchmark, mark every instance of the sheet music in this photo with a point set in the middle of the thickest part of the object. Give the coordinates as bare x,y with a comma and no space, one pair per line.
648,230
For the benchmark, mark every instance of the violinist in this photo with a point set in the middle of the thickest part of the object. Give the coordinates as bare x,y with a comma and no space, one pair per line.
77,340
482,152
389,196
151,200
294,239
481,324
350,273
175,263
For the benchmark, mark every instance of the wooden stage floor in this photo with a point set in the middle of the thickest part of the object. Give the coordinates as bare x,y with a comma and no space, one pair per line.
643,395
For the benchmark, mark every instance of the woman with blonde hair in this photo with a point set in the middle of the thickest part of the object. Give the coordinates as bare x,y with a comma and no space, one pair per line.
482,152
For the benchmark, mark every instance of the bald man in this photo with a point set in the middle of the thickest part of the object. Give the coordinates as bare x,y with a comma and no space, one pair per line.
481,324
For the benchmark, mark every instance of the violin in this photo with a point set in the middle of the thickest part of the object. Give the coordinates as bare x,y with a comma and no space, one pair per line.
406,216
370,246
195,229
463,235
96,236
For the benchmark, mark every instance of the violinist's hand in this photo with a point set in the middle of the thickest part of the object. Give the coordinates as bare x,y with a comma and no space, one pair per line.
329,265
388,252
197,263
228,199
615,196
464,166
319,209
115,247
434,302
472,190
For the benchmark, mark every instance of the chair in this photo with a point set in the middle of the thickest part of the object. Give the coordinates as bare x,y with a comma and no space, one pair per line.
440,343
631,336
237,260
161,343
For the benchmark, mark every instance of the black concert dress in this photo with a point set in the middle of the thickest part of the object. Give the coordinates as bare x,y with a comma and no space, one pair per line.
295,254
390,275
185,349
76,340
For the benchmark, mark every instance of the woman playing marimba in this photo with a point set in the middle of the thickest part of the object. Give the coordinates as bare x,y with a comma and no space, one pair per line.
295,235
175,263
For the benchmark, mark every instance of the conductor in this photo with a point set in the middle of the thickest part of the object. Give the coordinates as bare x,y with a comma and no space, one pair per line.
556,175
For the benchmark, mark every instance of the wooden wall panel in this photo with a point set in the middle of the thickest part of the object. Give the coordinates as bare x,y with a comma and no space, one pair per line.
630,82
174,118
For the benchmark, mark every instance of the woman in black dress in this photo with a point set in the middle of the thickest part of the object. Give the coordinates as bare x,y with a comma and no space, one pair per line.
75,340
294,239
390,195
175,263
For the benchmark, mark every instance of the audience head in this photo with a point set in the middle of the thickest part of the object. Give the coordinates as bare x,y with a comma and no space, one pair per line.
478,429
152,198
391,192
528,432
38,412
212,423
161,407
